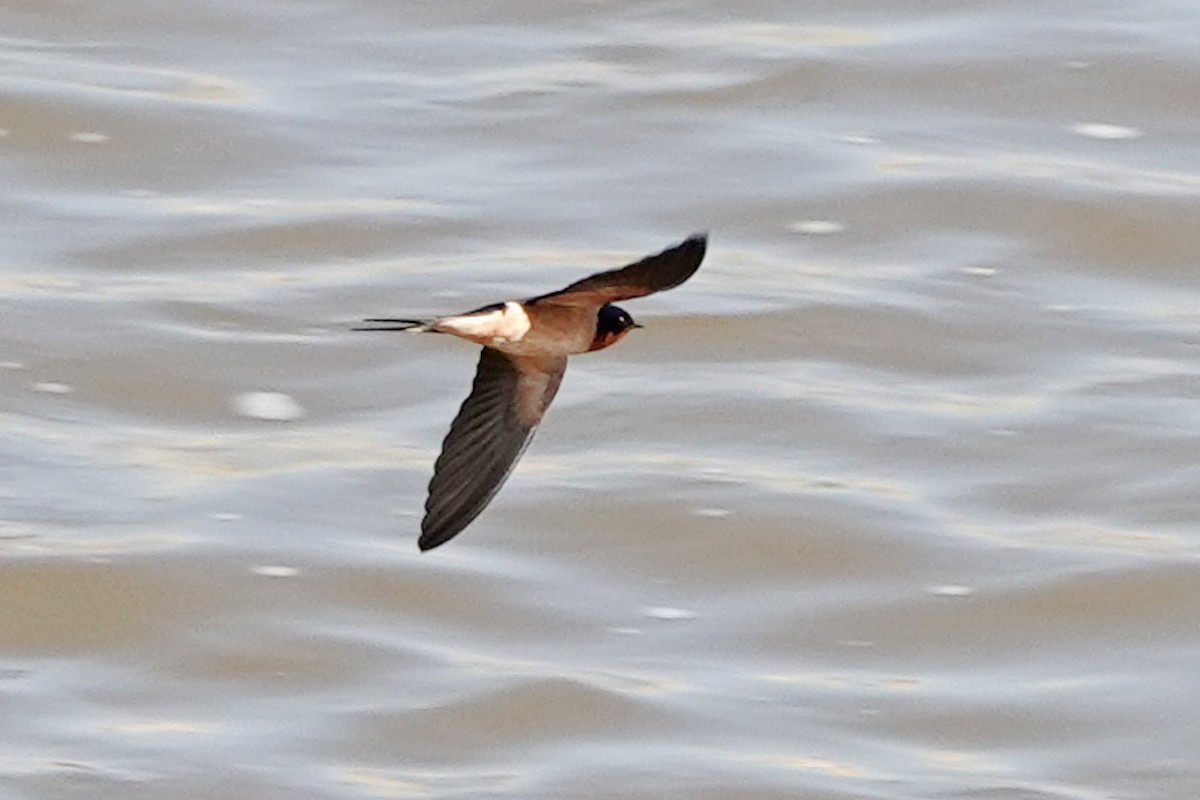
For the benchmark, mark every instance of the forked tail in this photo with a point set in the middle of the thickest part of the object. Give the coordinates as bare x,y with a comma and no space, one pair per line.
410,325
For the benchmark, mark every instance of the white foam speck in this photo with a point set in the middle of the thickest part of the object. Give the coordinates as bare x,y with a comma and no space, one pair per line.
718,472
857,139
268,405
817,227
951,590
1103,130
712,513
225,516
668,614
53,387
269,571
983,272
626,631
90,137
11,365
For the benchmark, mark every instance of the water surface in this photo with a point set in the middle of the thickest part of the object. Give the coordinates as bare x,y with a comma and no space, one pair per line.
897,498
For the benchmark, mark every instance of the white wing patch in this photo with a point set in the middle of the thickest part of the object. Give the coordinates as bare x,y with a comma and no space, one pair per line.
503,326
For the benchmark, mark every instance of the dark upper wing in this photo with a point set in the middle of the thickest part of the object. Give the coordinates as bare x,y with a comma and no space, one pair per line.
655,273
488,436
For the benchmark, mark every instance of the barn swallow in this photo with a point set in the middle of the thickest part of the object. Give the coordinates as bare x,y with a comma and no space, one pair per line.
525,348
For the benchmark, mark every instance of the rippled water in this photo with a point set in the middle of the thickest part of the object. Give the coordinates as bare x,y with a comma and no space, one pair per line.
897,498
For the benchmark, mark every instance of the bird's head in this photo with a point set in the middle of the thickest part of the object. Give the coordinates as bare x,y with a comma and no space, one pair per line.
612,324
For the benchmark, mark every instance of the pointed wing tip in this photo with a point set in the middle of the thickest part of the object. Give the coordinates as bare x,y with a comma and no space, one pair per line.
686,258
694,246
430,539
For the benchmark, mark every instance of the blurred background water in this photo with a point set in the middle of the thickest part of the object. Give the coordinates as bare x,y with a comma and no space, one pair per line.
897,498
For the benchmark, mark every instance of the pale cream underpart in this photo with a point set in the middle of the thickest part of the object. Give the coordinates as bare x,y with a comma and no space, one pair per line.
507,325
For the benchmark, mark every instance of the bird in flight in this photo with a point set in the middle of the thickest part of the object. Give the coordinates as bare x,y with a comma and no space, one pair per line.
525,348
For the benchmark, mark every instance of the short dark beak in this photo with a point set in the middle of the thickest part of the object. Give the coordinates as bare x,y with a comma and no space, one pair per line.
636,325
